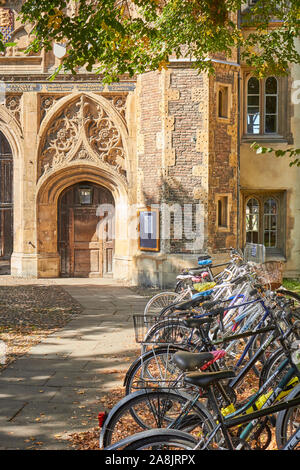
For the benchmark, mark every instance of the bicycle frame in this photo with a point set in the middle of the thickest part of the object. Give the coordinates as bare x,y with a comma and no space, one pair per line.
236,419
293,441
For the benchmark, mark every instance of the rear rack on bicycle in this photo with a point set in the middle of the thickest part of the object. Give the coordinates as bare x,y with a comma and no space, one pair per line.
153,383
157,331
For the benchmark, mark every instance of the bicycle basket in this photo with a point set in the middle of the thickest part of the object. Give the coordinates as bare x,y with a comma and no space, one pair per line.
254,253
167,331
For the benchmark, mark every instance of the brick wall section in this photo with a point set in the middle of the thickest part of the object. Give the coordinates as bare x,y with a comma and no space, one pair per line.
149,161
200,171
180,184
223,160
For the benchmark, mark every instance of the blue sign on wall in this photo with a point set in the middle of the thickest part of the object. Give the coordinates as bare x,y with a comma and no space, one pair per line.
149,230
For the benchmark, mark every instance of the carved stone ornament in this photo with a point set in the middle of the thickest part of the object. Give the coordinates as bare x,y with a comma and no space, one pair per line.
82,132
13,104
47,102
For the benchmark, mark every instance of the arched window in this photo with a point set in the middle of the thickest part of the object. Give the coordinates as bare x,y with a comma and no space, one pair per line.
265,221
252,221
253,106
270,223
271,105
265,112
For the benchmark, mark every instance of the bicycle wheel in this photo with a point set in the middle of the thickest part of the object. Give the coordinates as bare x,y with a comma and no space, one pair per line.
158,302
173,331
166,440
271,366
149,409
288,421
156,439
154,368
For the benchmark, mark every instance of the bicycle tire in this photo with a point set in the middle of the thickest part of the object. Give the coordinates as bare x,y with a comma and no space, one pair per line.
289,293
285,422
271,365
158,302
184,440
143,370
163,441
148,409
172,331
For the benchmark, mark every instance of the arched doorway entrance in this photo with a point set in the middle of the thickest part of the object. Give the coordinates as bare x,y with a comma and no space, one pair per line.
6,201
86,231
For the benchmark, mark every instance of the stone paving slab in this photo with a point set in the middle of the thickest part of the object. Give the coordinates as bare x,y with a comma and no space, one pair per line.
57,387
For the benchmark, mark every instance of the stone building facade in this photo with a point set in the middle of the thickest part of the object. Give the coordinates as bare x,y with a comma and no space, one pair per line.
170,140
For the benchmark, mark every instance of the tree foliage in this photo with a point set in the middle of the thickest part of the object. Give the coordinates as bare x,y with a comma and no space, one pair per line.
116,37
292,153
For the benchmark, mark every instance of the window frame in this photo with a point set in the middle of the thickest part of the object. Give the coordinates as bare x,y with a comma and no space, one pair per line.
223,201
225,89
262,196
283,111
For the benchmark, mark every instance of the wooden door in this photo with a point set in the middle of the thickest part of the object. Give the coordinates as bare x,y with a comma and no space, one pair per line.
85,249
85,244
6,199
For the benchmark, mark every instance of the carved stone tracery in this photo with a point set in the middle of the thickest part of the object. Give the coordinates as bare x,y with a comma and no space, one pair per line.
46,103
13,104
82,131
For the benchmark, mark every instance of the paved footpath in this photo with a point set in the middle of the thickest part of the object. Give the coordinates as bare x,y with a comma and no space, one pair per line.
55,388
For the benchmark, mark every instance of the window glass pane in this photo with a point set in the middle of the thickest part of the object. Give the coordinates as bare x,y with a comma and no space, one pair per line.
270,206
271,86
270,223
252,221
267,239
253,106
253,123
271,123
273,240
253,100
271,104
253,86
273,222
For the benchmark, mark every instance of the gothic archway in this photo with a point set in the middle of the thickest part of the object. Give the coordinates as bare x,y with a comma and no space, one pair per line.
82,138
49,194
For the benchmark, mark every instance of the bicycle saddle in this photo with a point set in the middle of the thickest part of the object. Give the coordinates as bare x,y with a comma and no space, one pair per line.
187,361
197,322
204,380
204,257
189,304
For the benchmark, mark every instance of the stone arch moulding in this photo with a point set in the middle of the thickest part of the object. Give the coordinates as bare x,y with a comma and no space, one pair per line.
49,190
83,128
13,133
